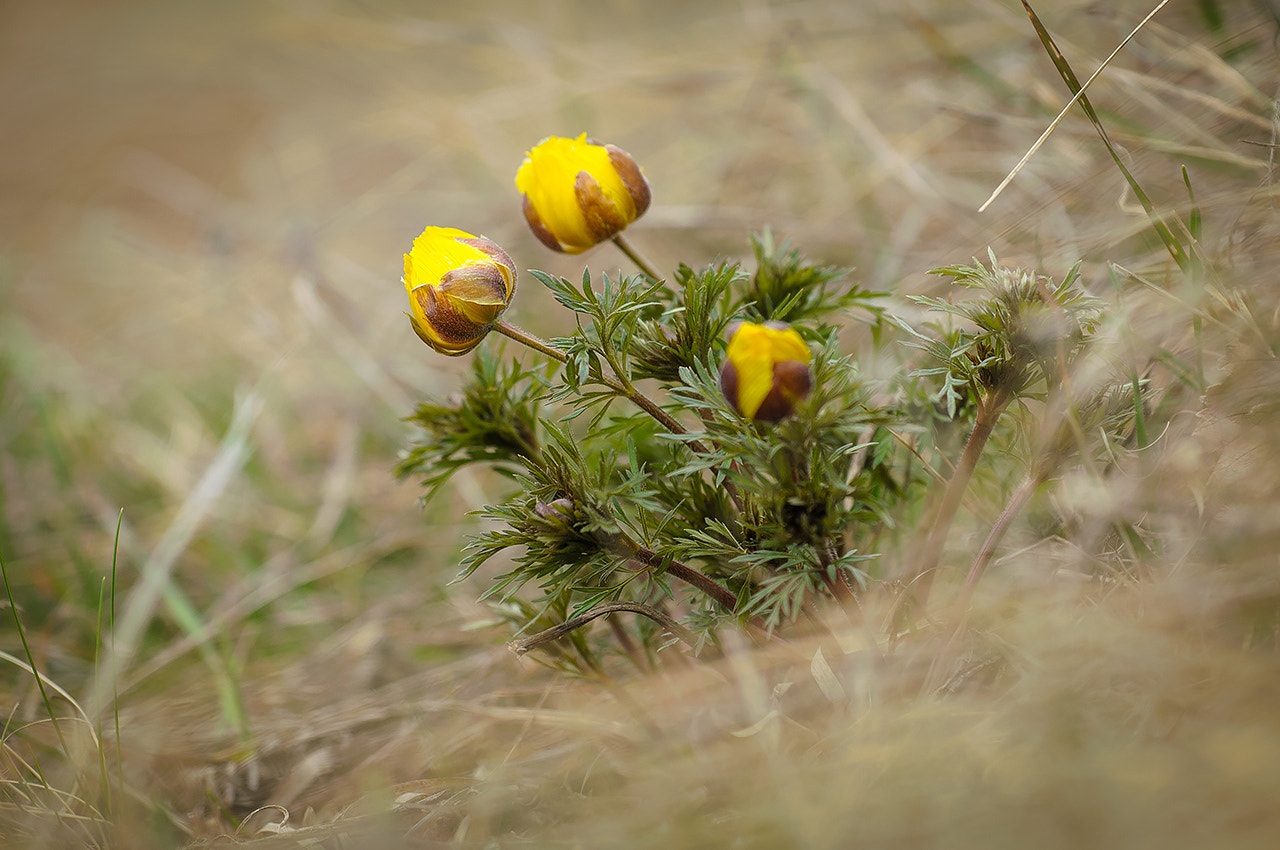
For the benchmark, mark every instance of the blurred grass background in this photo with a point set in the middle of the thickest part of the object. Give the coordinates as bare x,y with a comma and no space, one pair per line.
203,209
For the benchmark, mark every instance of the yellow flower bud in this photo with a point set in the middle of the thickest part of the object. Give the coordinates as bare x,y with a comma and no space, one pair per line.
578,192
766,371
458,286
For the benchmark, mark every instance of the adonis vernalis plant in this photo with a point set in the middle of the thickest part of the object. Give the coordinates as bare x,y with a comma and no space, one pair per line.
766,476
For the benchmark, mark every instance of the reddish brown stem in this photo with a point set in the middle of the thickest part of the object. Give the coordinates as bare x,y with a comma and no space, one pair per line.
1017,502
688,575
636,397
989,411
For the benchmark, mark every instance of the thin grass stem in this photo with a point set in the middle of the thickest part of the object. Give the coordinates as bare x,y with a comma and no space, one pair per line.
31,659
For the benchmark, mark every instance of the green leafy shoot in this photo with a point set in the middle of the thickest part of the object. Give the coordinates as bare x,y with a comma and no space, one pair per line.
494,421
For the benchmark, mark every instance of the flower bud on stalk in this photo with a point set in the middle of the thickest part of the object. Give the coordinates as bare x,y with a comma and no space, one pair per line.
766,371
458,286
579,192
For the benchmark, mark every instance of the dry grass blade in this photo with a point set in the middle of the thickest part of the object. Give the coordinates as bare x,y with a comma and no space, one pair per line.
142,601
1077,95
1170,241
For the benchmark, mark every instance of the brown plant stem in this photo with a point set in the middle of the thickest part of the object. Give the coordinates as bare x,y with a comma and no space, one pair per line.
836,580
524,645
625,246
1017,502
989,411
687,574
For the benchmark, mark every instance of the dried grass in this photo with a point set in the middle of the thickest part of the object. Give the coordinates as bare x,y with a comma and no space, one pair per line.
195,197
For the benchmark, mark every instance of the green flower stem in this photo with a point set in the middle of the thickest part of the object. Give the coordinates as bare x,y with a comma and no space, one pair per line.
632,394
520,647
988,415
625,246
530,340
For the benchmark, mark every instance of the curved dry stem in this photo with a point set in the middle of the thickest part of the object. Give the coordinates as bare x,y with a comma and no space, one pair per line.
524,645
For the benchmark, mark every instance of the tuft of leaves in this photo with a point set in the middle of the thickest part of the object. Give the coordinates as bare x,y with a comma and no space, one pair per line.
1021,329
495,421
681,503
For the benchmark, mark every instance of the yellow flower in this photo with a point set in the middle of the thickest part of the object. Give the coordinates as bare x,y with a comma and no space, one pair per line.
766,371
458,286
578,192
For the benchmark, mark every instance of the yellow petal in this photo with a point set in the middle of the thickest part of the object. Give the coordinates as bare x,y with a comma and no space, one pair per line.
549,180
436,253
754,350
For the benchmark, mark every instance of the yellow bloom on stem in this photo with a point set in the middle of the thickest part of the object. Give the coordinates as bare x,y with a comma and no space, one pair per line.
458,286
766,371
579,192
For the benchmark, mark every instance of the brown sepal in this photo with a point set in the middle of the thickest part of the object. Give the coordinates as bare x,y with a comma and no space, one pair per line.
792,381
539,229
491,249
629,171
465,281
456,333
602,215
729,385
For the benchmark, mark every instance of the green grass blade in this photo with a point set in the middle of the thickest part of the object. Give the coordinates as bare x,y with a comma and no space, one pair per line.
1171,242
31,659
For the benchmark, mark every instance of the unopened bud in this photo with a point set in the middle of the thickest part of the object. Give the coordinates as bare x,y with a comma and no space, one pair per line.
458,286
558,510
579,192
766,371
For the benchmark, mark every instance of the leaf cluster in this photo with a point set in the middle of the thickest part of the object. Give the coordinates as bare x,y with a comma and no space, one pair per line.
1020,330
682,503
494,421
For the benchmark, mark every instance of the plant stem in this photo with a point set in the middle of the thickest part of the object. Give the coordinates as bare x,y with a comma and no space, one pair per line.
836,580
989,411
687,574
630,393
525,338
1017,502
520,647
625,246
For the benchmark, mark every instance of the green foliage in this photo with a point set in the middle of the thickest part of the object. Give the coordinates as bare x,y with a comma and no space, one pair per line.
787,288
685,504
693,328
1021,330
495,421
